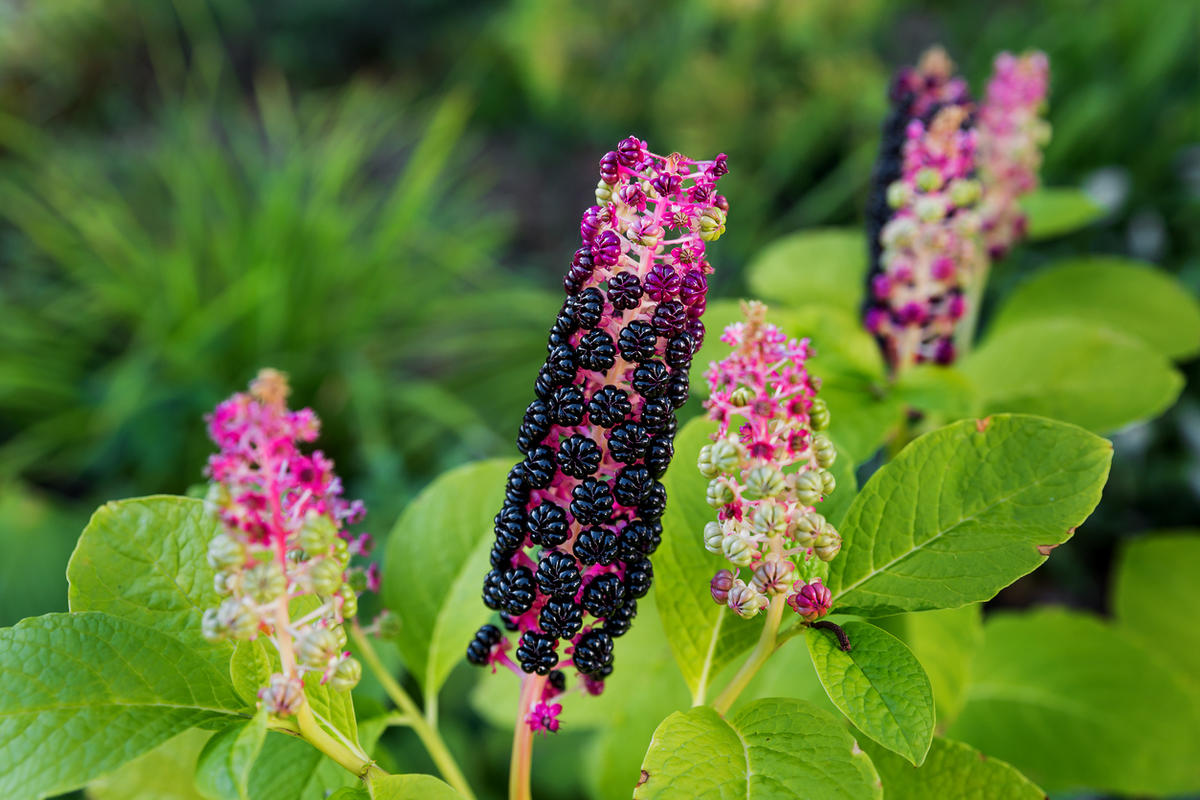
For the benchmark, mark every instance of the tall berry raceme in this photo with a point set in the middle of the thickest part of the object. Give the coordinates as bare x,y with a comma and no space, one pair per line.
769,470
581,512
284,550
1012,134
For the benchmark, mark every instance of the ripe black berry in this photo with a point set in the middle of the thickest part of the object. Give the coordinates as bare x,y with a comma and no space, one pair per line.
603,595
534,426
619,622
593,653
564,325
538,467
501,557
557,575
659,454
653,504
481,646
678,388
596,546
627,442
637,341
638,576
537,652
680,351
609,407
561,617
510,526
657,414
695,329
561,365
651,379
596,351
493,595
578,456
670,318
516,488
547,524
516,590
557,680
639,538
586,308
632,484
509,623
624,291
565,406
592,502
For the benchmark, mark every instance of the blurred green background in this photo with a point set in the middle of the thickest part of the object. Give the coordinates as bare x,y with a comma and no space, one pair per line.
381,198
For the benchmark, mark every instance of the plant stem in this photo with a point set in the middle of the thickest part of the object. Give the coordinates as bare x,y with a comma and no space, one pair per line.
315,735
762,651
428,735
521,765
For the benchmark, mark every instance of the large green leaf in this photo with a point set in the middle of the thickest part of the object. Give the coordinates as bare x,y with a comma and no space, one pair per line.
879,685
1129,296
1076,704
1074,371
411,787
1055,211
290,767
952,770
145,560
824,266
223,768
157,775
964,511
703,635
1157,597
770,749
434,566
80,694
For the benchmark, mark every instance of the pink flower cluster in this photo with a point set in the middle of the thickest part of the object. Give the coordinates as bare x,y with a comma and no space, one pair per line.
769,469
1011,137
283,540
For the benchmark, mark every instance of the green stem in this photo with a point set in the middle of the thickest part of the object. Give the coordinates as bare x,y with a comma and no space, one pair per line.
762,651
428,735
315,735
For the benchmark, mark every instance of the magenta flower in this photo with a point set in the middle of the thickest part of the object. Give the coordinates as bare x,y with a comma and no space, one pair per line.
769,468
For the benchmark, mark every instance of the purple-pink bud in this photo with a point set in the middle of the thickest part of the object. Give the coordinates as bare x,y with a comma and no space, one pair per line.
661,283
610,167
810,600
693,288
721,583
630,152
607,249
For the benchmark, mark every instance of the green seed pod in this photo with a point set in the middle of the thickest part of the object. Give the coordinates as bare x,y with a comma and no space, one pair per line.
930,209
824,450
928,179
828,544
808,488
356,579
349,601
765,481
340,632
818,415
265,582
705,464
807,526
211,627
317,533
325,575
604,193
237,618
346,675
965,192
341,551
746,601
718,493
742,396
737,550
713,536
897,194
225,552
317,647
712,224
726,455
769,518
828,482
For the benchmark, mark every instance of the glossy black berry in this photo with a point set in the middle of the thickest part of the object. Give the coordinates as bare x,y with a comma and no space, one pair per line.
596,546
586,308
619,622
637,341
493,595
481,646
537,652
592,502
565,406
653,504
596,351
561,617
639,538
603,595
558,575
579,272
557,680
510,526
578,456
678,388
608,407
658,455
538,467
561,364
544,384
547,525
657,415
680,350
593,653
670,318
651,379
695,329
562,329
627,442
624,291
534,426
516,488
631,484
638,576
509,623
501,557
517,590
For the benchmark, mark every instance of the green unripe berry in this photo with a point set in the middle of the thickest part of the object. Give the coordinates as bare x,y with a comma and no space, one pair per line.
742,396
807,526
705,464
265,582
725,455
341,551
346,675
898,194
928,179
828,482
317,533
718,493
237,618
808,488
769,518
824,450
349,601
325,575
317,647
712,224
737,550
765,481
713,536
930,209
828,544
965,192
818,415
604,193
225,552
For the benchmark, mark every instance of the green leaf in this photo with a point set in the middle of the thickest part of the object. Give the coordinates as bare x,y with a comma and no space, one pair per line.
952,770
1070,370
223,768
290,767
944,393
823,266
436,558
864,414
155,775
879,685
944,641
964,511
250,669
1055,211
412,787
1131,297
81,694
770,749
145,560
1156,598
704,636
1077,704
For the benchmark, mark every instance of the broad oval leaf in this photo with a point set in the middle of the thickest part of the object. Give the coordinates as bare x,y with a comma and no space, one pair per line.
879,685
1129,296
434,566
1157,597
290,767
1058,210
1077,704
1074,371
770,749
81,694
952,770
964,511
155,775
223,768
823,266
412,787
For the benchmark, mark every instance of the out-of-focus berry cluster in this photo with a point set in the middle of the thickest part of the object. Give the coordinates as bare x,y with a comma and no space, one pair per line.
581,513
769,470
1012,135
283,550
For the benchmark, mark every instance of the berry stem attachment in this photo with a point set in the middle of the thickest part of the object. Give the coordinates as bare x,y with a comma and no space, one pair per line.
767,644
412,715
843,639
520,767
315,735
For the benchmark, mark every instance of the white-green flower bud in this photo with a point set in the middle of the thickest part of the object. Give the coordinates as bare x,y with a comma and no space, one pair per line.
930,209
769,518
713,534
349,601
341,551
774,576
221,583
738,550
746,601
828,482
818,415
264,582
340,632
718,493
603,193
317,533
705,464
237,618
346,675
765,481
898,194
225,552
725,455
828,544
928,179
965,192
824,450
807,526
325,575
808,488
742,396
317,648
